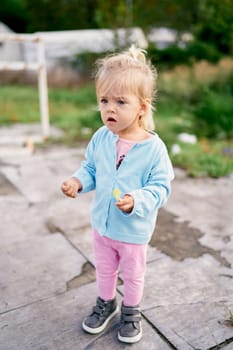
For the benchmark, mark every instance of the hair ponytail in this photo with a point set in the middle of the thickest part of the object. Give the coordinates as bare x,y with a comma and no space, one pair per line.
137,54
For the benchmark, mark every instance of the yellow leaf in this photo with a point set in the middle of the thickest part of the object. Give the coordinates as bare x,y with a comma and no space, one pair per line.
116,193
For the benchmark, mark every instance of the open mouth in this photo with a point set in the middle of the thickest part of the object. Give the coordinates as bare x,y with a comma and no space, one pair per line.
110,119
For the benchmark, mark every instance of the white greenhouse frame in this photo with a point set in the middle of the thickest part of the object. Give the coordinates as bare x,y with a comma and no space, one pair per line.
39,67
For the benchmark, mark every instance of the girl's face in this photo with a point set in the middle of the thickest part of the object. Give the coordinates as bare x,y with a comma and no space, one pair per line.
121,112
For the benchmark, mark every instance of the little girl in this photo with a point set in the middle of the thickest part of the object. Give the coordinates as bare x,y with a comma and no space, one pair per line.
128,166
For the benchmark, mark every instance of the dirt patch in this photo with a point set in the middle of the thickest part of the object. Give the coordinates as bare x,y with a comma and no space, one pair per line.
86,276
180,241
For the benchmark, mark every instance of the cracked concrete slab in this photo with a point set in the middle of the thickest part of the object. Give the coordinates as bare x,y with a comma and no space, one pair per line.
47,261
49,170
19,220
228,347
68,215
206,204
171,282
55,323
203,319
180,240
86,276
17,134
35,269
6,187
34,263
82,238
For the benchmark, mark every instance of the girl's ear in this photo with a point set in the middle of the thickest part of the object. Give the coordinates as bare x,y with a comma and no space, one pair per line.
145,105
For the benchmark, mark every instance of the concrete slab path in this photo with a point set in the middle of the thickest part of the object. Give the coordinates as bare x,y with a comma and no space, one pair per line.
47,276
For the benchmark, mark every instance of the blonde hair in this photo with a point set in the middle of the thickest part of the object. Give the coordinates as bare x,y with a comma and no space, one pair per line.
129,71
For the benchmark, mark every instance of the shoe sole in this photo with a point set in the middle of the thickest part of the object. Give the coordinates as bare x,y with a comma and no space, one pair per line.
103,326
130,340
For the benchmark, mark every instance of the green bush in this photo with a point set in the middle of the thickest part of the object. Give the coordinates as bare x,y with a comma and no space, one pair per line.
213,109
167,57
175,54
161,58
199,50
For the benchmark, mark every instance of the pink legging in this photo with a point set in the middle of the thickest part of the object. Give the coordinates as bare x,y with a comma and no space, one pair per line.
131,258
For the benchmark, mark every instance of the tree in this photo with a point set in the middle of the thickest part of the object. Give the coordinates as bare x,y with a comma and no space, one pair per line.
215,24
47,15
13,13
210,20
114,14
179,15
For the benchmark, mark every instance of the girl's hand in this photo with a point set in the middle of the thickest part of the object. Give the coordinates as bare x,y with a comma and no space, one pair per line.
70,187
125,203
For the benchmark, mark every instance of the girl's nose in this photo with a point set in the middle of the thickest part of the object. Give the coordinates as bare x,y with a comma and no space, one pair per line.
111,107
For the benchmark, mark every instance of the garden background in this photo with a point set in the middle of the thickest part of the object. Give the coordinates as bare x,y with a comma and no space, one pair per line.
194,106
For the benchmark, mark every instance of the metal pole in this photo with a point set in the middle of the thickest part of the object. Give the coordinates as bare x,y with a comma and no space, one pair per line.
43,90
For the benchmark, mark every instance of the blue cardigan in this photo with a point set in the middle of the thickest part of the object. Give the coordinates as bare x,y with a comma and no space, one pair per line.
145,173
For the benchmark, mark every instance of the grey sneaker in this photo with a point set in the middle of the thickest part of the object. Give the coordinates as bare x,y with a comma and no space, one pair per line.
102,313
130,330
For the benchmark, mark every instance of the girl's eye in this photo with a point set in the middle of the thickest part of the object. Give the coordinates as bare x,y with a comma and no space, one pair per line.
121,102
103,100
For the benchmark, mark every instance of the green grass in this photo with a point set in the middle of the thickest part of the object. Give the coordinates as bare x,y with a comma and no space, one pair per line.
212,158
171,117
18,104
200,162
74,110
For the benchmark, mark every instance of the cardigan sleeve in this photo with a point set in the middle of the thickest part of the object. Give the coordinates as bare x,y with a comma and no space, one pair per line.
156,191
87,171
